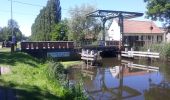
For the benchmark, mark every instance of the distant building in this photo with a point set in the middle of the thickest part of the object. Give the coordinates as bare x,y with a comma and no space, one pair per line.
136,33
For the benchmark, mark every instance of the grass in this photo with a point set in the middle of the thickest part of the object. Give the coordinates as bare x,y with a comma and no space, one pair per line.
5,49
162,48
28,78
69,64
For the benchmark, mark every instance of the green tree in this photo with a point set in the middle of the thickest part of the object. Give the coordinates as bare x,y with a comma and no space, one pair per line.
6,32
79,24
16,31
48,17
12,24
159,10
59,32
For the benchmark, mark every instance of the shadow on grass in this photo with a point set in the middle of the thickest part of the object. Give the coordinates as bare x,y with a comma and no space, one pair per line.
12,59
24,92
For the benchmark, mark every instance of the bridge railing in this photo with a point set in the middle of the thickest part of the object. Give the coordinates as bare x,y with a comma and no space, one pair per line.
47,45
132,54
112,43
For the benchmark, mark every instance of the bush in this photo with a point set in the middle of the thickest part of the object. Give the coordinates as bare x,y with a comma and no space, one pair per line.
76,92
55,72
163,49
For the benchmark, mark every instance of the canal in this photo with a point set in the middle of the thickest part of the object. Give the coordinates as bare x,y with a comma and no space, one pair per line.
125,79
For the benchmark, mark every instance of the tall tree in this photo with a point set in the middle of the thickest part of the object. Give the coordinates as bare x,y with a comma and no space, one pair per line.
48,17
79,24
159,10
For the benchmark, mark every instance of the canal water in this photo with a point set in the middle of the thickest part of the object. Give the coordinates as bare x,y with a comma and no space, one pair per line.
125,79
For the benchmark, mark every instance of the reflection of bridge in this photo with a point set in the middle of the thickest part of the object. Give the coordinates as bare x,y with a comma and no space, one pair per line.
99,88
139,66
114,93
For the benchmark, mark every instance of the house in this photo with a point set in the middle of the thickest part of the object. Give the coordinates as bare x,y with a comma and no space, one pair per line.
135,33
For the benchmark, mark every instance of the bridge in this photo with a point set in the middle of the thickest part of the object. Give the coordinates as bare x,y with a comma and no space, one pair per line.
44,49
62,49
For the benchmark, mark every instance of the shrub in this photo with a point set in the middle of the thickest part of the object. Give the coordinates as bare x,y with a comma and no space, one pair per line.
76,92
163,49
55,72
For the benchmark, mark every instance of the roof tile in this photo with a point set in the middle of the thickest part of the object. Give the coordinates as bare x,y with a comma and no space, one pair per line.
133,26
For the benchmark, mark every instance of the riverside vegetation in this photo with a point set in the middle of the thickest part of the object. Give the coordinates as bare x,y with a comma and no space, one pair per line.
162,48
33,80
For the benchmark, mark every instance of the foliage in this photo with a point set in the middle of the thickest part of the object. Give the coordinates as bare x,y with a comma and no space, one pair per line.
48,17
76,92
28,78
6,32
69,64
163,49
57,74
159,9
55,71
80,25
36,80
60,31
157,93
12,23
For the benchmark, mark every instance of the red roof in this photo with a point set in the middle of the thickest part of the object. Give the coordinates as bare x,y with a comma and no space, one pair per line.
133,26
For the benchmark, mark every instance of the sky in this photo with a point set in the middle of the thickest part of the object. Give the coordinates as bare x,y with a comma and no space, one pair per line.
25,14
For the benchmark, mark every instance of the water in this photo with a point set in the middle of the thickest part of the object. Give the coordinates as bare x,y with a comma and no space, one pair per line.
125,80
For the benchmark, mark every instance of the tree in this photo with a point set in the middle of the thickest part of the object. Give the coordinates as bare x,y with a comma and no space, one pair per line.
12,23
79,24
48,17
159,10
16,31
6,32
59,33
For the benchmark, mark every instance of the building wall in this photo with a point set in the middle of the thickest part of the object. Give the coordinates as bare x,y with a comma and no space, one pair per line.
134,39
168,38
114,32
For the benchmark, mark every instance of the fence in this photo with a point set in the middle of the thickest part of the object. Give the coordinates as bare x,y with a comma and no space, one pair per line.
47,45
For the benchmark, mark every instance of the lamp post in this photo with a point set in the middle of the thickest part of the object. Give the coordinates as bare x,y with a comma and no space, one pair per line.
12,29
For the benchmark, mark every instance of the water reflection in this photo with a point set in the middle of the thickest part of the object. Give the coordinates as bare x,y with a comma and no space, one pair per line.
123,80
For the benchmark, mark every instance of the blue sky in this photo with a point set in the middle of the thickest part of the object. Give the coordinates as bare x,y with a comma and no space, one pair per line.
26,14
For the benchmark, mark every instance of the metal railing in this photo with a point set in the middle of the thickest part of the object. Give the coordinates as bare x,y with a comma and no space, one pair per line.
47,45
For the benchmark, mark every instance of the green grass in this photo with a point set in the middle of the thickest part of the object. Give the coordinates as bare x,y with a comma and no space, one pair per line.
69,64
28,78
162,48
5,49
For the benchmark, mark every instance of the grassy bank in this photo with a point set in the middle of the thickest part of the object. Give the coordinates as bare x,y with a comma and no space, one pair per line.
29,79
68,64
163,49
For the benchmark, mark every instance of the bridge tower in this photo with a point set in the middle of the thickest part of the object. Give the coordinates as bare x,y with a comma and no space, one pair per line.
105,15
